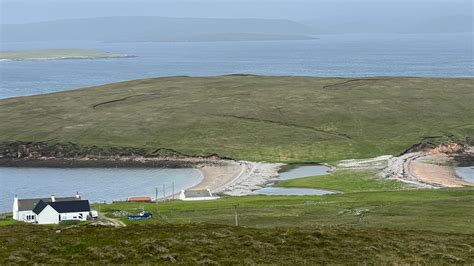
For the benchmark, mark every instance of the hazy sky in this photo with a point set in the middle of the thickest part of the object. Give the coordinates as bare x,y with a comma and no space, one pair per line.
316,11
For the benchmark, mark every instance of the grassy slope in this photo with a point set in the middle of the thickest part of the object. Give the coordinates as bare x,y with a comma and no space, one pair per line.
290,119
345,181
52,53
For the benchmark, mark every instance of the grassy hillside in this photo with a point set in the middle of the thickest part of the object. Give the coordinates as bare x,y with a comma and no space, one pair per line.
288,119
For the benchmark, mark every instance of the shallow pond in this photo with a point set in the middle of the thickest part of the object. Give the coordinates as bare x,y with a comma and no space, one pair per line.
297,172
304,171
94,184
467,173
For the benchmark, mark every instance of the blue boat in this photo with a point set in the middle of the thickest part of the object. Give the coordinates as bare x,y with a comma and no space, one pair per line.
142,216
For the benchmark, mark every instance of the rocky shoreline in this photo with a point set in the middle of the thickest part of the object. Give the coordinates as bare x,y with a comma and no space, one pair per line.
231,177
136,162
42,154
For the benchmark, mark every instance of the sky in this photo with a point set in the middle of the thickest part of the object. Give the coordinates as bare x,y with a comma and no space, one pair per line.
309,11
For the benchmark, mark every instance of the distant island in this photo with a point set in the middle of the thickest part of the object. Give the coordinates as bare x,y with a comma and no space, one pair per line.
57,54
157,29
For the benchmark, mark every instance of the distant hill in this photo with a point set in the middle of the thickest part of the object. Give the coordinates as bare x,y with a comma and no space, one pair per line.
156,29
442,24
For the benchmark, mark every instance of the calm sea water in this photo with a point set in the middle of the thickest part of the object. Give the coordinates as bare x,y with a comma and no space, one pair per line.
439,55
467,173
94,184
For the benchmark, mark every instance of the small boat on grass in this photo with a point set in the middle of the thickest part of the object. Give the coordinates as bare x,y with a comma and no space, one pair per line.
142,216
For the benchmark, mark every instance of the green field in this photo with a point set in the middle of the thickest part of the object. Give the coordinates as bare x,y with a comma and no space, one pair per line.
285,119
345,181
55,54
445,210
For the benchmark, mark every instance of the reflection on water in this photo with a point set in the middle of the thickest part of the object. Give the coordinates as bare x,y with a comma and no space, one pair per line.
94,184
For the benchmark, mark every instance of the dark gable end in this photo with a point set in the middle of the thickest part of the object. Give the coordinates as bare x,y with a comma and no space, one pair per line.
71,206
40,207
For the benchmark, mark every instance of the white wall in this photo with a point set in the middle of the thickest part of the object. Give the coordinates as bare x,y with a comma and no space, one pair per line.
48,216
75,216
23,214
199,198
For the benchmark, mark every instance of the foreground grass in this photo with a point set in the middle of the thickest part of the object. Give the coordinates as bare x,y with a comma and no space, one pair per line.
345,181
8,221
219,244
287,119
384,227
443,210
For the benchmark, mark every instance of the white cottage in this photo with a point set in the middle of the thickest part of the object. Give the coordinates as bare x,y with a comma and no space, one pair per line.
55,212
23,208
189,195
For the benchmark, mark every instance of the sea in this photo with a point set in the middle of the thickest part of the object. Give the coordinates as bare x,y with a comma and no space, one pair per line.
349,55
93,184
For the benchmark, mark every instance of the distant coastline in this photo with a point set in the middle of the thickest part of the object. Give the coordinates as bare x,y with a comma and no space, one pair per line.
57,54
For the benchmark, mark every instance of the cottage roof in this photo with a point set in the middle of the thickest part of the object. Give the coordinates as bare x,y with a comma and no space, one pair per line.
30,204
64,206
70,206
197,193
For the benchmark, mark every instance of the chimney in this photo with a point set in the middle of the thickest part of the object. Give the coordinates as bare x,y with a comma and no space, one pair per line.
77,195
15,208
53,199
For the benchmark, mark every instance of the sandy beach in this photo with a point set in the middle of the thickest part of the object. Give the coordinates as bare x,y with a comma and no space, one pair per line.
237,178
430,168
436,169
217,177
